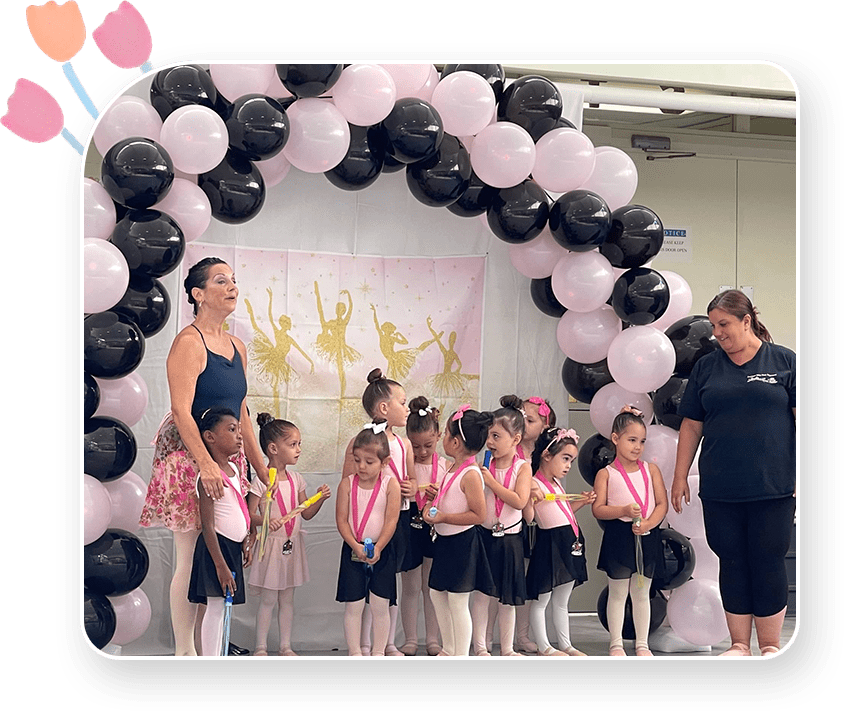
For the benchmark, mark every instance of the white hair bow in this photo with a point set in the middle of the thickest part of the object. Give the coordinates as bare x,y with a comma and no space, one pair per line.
377,429
424,411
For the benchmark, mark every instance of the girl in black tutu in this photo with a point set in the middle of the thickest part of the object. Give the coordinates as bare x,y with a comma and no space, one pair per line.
631,499
558,562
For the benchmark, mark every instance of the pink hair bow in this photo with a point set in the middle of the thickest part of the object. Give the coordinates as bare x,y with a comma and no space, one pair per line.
544,410
459,413
562,434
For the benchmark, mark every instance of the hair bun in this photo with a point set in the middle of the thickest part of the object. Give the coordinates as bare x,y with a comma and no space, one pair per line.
486,418
418,403
513,401
374,375
264,418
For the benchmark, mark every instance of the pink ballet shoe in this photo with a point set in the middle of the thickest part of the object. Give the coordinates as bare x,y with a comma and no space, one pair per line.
643,652
617,652
365,651
526,646
482,653
769,651
287,652
433,649
392,651
551,652
738,649
512,653
572,652
260,651
409,649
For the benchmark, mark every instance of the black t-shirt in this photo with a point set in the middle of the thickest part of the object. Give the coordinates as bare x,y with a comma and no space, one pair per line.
748,451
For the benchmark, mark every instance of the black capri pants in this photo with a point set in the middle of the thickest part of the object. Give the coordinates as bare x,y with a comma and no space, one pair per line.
751,539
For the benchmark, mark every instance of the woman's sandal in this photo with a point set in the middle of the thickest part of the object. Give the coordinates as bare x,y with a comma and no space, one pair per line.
260,652
551,652
769,651
738,649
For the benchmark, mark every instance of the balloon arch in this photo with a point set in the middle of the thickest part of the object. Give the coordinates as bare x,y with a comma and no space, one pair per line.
208,143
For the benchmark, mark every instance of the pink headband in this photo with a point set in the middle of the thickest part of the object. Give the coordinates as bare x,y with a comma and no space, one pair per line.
458,415
544,410
561,435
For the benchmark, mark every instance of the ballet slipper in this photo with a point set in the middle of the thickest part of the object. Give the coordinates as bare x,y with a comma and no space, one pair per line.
364,651
433,649
287,652
526,646
738,649
643,652
482,653
409,649
551,652
260,651
572,652
511,653
769,650
442,653
617,652
392,651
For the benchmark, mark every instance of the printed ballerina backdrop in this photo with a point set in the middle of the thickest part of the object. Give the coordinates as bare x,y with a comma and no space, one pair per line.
315,324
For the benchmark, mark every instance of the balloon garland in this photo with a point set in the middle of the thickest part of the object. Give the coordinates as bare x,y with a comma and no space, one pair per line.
466,142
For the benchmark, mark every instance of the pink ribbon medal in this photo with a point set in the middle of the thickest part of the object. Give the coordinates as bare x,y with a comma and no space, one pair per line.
288,527
565,507
358,527
497,528
643,506
240,500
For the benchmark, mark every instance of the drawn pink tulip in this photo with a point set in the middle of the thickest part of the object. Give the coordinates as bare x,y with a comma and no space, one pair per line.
34,115
124,38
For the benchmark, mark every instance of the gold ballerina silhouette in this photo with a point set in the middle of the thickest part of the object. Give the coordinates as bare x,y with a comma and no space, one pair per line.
270,360
450,381
331,342
399,362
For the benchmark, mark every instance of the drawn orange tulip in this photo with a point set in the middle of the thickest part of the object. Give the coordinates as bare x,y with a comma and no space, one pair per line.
58,30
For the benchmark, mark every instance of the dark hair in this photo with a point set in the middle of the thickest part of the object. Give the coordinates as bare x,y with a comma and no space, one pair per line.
418,423
270,429
547,442
510,415
472,428
736,303
209,419
377,441
379,390
197,277
551,418
624,419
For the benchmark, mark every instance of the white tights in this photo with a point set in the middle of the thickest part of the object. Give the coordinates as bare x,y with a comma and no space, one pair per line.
183,612
559,599
640,598
265,614
352,619
506,623
212,627
455,621
411,586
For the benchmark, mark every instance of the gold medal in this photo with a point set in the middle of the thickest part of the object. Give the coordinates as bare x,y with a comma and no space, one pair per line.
287,547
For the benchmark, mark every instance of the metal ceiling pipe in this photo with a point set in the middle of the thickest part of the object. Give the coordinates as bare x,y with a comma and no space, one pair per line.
711,103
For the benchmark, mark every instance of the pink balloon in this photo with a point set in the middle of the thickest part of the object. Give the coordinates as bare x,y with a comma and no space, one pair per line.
97,508
123,398
465,102
195,137
235,80
585,337
661,449
274,169
608,401
189,206
127,117
565,158
696,613
503,154
679,301
641,359
689,521
582,281
364,94
127,494
536,258
100,216
190,177
426,93
106,275
133,614
319,135
276,89
408,78
614,177
707,565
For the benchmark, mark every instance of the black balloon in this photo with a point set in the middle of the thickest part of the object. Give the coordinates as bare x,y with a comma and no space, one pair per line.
544,299
493,73
441,179
258,126
679,556
391,164
659,609
92,396
181,86
532,102
308,80
110,448
594,454
151,241
413,130
113,346
667,402
363,161
235,189
475,200
99,618
116,563
137,172
692,339
583,380
145,303
579,220
640,296
518,214
635,237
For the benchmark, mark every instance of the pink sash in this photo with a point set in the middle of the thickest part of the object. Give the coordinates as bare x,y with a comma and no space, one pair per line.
565,507
240,500
499,504
291,524
643,506
420,500
469,462
358,527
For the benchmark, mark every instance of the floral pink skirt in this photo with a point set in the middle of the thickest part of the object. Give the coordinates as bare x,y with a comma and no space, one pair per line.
171,499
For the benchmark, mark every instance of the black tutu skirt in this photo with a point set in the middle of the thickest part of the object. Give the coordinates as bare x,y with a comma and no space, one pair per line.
528,537
552,563
617,557
203,575
459,564
420,539
405,541
356,580
506,556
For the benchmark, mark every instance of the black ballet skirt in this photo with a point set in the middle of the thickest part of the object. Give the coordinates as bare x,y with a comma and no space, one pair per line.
203,575
420,539
407,552
617,557
356,580
459,564
506,556
552,563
